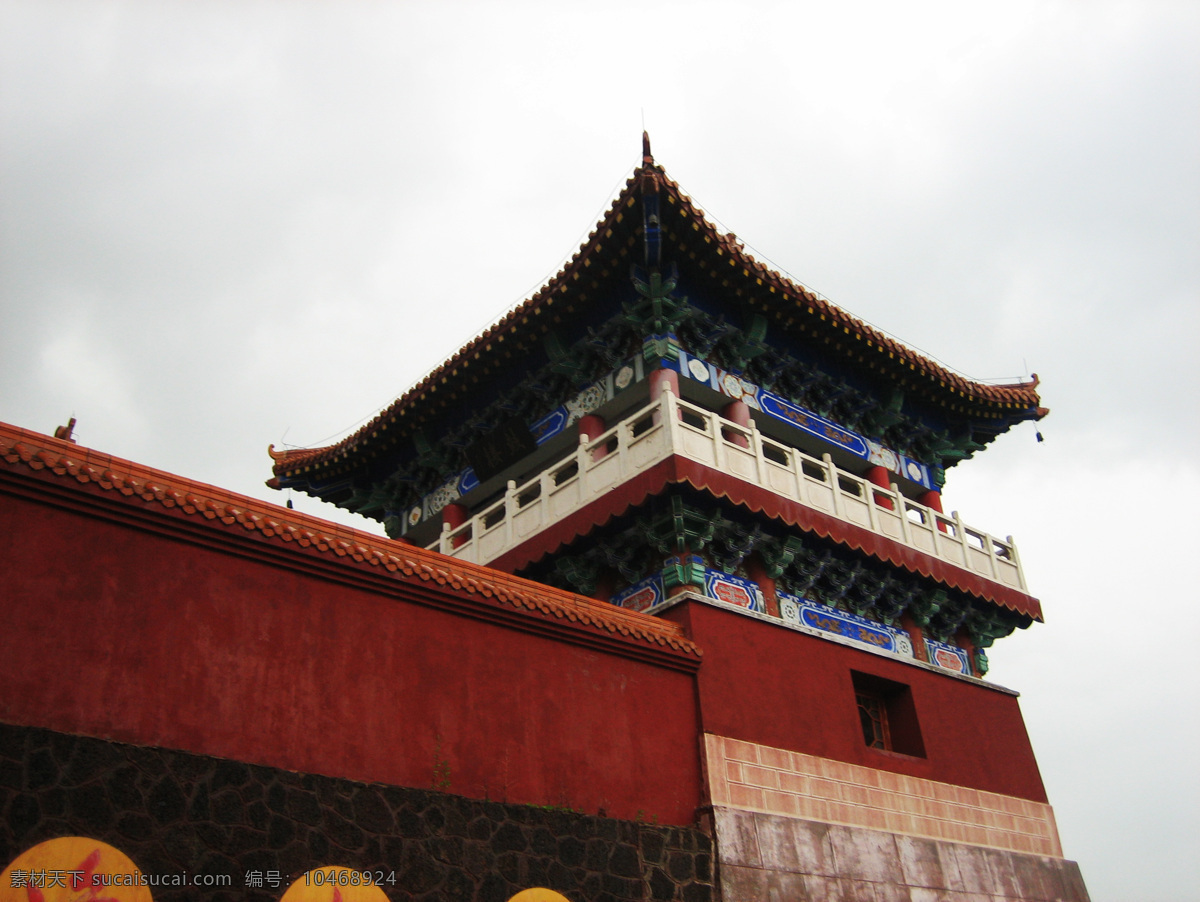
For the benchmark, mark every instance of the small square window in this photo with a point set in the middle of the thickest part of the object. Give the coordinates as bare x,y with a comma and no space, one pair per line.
887,715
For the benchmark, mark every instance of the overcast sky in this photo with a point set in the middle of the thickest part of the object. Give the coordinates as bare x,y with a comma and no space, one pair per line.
231,224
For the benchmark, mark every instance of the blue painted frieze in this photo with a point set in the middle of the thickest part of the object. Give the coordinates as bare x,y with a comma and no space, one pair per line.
803,612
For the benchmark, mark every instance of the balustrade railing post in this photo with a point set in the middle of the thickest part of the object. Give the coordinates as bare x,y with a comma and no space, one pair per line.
902,509
990,548
510,511
712,425
1016,559
582,457
874,506
666,416
545,487
872,513
669,401
622,435
760,460
961,535
831,472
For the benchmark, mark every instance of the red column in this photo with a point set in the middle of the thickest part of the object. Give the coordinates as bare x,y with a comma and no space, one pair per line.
455,515
916,635
933,499
736,412
592,427
757,572
881,477
658,379
963,641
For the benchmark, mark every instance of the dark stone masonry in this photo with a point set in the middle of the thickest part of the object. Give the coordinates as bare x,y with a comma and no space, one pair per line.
173,812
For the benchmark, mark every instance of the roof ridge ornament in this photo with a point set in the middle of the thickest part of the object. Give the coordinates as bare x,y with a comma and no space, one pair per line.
652,234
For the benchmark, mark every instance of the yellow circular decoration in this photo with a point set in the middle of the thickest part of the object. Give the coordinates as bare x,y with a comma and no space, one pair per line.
70,868
334,883
539,894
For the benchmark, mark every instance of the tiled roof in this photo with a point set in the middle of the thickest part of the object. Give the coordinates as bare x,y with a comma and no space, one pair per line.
81,469
800,298
775,294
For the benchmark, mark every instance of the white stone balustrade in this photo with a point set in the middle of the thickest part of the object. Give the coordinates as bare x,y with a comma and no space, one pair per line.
670,426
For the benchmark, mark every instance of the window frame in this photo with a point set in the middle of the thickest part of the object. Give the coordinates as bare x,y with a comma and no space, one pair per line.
890,707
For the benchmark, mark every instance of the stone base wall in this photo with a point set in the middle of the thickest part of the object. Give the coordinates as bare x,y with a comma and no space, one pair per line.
173,812
771,858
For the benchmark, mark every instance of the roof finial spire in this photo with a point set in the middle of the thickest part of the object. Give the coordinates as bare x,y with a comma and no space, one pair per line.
647,156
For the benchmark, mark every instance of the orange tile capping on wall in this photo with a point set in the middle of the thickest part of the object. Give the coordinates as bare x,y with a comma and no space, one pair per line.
77,468
776,781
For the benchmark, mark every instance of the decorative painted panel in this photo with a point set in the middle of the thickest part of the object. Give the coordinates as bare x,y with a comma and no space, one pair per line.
803,612
734,590
450,490
642,596
951,657
587,400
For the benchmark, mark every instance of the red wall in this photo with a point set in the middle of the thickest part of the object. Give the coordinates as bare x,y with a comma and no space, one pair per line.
121,620
155,635
776,686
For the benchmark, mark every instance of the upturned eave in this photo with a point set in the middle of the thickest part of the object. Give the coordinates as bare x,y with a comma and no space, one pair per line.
605,256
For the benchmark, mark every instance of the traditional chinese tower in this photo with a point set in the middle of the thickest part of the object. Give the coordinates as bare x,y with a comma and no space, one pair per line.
670,426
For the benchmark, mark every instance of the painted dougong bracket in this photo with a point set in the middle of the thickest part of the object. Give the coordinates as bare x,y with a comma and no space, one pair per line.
778,556
657,309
